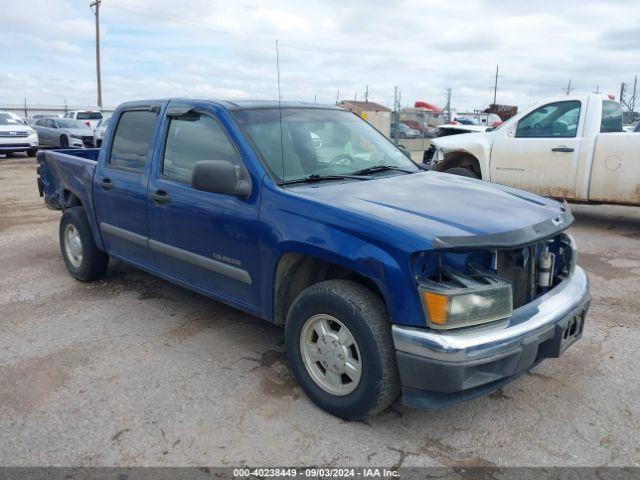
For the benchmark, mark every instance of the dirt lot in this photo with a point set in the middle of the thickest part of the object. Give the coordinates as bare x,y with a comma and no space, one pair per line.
132,370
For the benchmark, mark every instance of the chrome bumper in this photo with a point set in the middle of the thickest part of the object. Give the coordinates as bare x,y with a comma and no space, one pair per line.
526,325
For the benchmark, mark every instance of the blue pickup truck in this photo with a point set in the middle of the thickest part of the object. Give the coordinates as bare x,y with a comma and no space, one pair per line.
388,279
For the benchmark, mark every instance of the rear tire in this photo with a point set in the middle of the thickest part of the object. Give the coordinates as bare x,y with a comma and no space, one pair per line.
354,355
462,172
82,257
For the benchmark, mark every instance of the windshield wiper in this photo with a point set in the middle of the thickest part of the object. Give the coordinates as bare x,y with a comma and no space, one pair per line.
319,178
380,168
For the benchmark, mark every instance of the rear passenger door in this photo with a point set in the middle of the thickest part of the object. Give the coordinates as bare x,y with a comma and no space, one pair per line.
120,184
207,240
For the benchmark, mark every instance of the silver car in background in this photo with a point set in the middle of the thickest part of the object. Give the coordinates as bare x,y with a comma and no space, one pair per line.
64,133
98,134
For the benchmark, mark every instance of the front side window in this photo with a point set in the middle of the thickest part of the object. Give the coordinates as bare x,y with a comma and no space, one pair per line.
131,140
611,117
191,138
314,141
555,120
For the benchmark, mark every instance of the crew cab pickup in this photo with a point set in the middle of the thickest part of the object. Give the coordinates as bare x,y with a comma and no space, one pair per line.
571,147
388,279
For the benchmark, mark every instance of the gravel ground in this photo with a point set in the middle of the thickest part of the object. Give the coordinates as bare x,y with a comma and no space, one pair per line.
132,370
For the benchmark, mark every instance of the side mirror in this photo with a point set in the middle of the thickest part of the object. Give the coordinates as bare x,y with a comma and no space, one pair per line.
219,176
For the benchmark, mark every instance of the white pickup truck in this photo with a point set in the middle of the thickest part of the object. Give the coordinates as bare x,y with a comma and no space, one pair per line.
570,147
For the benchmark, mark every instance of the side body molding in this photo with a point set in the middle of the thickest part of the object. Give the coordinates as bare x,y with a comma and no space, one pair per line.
201,261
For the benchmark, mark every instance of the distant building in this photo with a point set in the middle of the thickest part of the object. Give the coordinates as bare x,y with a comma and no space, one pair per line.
377,115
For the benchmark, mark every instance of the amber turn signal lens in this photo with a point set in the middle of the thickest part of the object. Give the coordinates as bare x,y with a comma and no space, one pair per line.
437,305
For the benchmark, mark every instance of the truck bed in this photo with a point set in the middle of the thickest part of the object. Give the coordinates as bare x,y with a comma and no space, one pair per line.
65,172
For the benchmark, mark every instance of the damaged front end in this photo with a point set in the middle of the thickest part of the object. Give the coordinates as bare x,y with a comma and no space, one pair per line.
469,287
492,312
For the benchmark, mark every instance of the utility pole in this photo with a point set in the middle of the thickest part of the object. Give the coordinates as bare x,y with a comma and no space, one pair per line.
25,108
495,86
633,96
569,88
95,8
623,90
338,97
395,115
366,94
597,89
448,107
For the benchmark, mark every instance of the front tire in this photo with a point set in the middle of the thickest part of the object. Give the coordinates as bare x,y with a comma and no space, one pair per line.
463,172
32,152
339,346
64,142
82,257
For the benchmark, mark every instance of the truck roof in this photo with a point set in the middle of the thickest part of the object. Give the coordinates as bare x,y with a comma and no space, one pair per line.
237,104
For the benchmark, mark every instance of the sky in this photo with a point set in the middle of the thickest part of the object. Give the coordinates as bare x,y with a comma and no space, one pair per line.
226,50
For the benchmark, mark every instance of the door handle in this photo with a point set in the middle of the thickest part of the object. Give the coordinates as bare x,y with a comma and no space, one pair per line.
161,197
562,149
106,184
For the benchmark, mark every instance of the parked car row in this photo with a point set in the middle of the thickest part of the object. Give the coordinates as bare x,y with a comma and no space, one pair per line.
75,129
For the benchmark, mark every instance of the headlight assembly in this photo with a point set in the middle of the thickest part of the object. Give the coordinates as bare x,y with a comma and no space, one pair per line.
438,156
460,300
73,135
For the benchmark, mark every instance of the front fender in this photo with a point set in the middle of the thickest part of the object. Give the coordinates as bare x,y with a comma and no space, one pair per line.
284,231
477,145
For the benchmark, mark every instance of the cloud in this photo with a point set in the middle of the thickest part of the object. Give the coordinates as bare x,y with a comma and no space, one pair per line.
156,48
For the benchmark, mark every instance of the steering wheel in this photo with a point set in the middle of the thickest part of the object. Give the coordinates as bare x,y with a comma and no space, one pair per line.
343,158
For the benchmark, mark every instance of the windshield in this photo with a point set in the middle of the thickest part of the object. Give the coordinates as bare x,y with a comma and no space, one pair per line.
6,119
89,116
69,123
318,142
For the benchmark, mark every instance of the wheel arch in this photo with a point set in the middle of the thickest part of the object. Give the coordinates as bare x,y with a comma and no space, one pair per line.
460,158
296,270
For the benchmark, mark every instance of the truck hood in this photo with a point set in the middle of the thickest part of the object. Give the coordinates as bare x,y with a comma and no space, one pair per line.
453,142
441,210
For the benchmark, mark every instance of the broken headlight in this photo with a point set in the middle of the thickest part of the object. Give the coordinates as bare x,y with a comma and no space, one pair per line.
458,300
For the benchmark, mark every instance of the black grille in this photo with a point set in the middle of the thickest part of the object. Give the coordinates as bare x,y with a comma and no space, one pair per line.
87,141
518,267
4,146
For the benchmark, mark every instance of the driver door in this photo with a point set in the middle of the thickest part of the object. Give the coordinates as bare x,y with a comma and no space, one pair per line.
540,153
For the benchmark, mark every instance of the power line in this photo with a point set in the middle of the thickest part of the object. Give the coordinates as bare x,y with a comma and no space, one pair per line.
172,18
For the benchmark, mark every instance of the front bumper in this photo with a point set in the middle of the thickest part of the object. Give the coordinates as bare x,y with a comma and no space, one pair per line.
18,144
438,369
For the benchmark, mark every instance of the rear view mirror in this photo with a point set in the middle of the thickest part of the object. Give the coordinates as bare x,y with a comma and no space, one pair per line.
219,176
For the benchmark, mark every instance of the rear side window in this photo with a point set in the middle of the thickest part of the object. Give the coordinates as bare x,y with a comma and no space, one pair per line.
131,140
611,117
192,138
